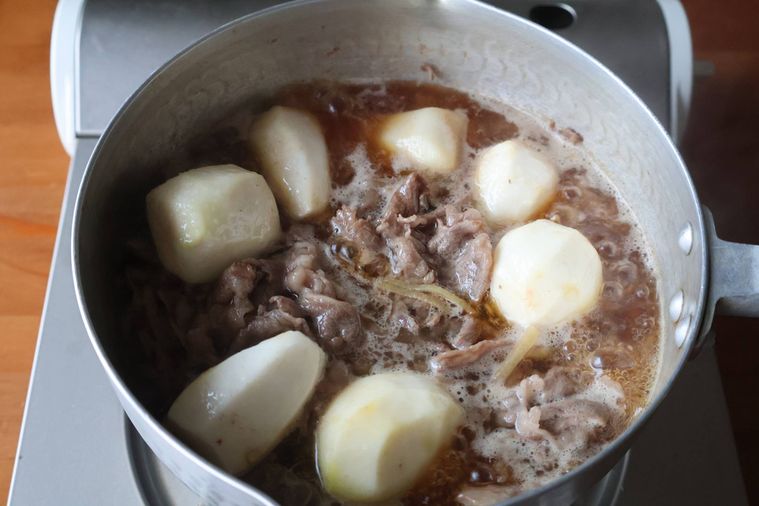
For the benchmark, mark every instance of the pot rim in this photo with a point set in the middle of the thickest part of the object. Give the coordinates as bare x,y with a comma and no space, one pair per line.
619,444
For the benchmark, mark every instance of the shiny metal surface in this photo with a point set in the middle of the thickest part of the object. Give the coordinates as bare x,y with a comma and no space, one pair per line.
62,457
680,455
122,43
72,421
477,48
75,427
734,286
159,486
684,455
734,280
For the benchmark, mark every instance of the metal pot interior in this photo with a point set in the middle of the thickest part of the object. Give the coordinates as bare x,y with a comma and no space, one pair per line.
476,48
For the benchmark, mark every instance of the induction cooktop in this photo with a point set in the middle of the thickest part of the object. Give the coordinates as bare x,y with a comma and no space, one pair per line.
76,446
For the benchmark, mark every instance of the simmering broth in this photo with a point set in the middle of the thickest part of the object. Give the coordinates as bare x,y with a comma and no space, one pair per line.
575,390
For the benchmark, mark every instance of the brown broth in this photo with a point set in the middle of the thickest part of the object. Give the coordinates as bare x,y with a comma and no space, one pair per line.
618,339
624,324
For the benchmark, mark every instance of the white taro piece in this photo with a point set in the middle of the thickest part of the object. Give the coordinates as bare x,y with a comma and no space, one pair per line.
513,182
237,411
204,219
545,273
429,140
289,144
382,433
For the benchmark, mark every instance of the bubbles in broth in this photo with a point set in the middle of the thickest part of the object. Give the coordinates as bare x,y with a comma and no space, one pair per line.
575,391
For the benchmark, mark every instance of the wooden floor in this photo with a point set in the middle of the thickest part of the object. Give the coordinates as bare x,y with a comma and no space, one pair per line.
721,147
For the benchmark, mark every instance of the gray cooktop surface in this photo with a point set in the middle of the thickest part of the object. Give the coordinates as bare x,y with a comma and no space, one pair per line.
123,42
76,446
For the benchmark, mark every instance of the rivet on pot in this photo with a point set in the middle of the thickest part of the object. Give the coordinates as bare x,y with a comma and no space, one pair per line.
681,331
685,239
676,306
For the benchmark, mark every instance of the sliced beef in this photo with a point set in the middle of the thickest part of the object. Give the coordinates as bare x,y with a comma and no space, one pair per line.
268,275
406,259
357,230
201,344
530,391
418,221
166,323
409,199
468,334
240,289
417,319
287,305
472,267
408,209
401,313
576,423
162,315
337,322
283,314
302,272
558,383
456,359
176,313
521,409
463,252
360,234
454,229
527,423
406,246
238,294
471,331
561,382
552,408
200,325
233,290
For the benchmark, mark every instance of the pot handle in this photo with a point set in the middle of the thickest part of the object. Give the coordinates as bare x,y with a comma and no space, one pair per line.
734,278
734,283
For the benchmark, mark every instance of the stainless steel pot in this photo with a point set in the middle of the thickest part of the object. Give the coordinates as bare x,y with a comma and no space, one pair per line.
476,48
